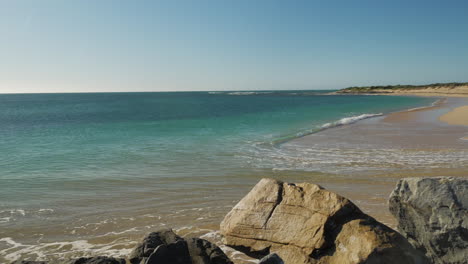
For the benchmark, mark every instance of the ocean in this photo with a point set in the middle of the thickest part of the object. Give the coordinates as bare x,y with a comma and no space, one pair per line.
89,174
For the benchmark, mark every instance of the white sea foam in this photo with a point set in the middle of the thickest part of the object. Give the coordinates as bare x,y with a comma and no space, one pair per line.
349,120
46,210
43,251
212,236
342,158
5,219
248,93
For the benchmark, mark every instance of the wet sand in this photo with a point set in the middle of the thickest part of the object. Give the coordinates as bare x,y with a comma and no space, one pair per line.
412,143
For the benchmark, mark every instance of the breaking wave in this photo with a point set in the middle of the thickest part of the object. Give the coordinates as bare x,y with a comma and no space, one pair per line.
349,120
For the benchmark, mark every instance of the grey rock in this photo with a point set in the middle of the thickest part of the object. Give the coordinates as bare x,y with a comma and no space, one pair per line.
29,262
165,246
204,252
144,249
271,259
99,260
432,213
174,253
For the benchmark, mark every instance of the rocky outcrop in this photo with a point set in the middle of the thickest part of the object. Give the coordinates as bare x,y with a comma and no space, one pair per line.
165,247
304,223
433,214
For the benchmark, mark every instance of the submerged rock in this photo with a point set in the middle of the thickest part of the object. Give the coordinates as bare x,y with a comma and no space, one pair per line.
304,223
433,214
165,247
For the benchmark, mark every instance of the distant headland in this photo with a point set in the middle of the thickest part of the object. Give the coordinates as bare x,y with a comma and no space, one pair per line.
435,89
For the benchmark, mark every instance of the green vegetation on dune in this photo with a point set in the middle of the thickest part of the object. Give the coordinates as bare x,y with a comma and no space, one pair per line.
379,88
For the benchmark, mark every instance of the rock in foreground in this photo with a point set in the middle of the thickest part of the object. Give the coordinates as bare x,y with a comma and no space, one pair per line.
165,247
99,260
303,223
433,214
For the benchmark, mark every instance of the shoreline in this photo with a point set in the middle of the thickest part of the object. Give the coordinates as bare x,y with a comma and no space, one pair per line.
398,93
429,90
407,143
368,190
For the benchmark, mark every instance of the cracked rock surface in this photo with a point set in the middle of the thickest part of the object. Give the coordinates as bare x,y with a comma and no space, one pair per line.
433,214
304,223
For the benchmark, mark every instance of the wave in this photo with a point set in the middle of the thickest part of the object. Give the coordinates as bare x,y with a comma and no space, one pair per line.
349,120
341,122
248,93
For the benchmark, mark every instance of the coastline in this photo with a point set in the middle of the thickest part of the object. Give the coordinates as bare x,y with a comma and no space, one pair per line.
199,214
411,137
431,90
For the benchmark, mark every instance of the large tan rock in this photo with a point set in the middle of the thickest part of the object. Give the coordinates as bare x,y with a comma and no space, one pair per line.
304,223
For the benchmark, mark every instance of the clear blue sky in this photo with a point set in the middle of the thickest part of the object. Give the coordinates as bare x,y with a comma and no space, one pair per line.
67,46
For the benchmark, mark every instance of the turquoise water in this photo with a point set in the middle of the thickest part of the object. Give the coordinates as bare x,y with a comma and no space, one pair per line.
67,159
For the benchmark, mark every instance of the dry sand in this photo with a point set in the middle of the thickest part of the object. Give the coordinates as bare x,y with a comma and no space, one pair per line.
458,116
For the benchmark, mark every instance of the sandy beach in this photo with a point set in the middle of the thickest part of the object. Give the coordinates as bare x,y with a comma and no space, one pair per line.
458,116
435,90
416,141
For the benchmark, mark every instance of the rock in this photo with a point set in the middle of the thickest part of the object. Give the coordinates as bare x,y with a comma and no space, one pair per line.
174,253
433,214
151,242
304,223
99,260
29,262
165,246
271,259
204,252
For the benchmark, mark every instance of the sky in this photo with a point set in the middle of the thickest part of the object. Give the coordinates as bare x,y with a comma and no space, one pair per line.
175,45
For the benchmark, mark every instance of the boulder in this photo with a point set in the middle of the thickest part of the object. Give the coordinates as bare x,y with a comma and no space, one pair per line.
433,214
304,223
174,253
99,260
271,259
29,262
204,252
165,247
151,242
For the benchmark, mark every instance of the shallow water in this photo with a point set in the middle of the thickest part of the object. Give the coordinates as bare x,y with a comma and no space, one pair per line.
89,174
